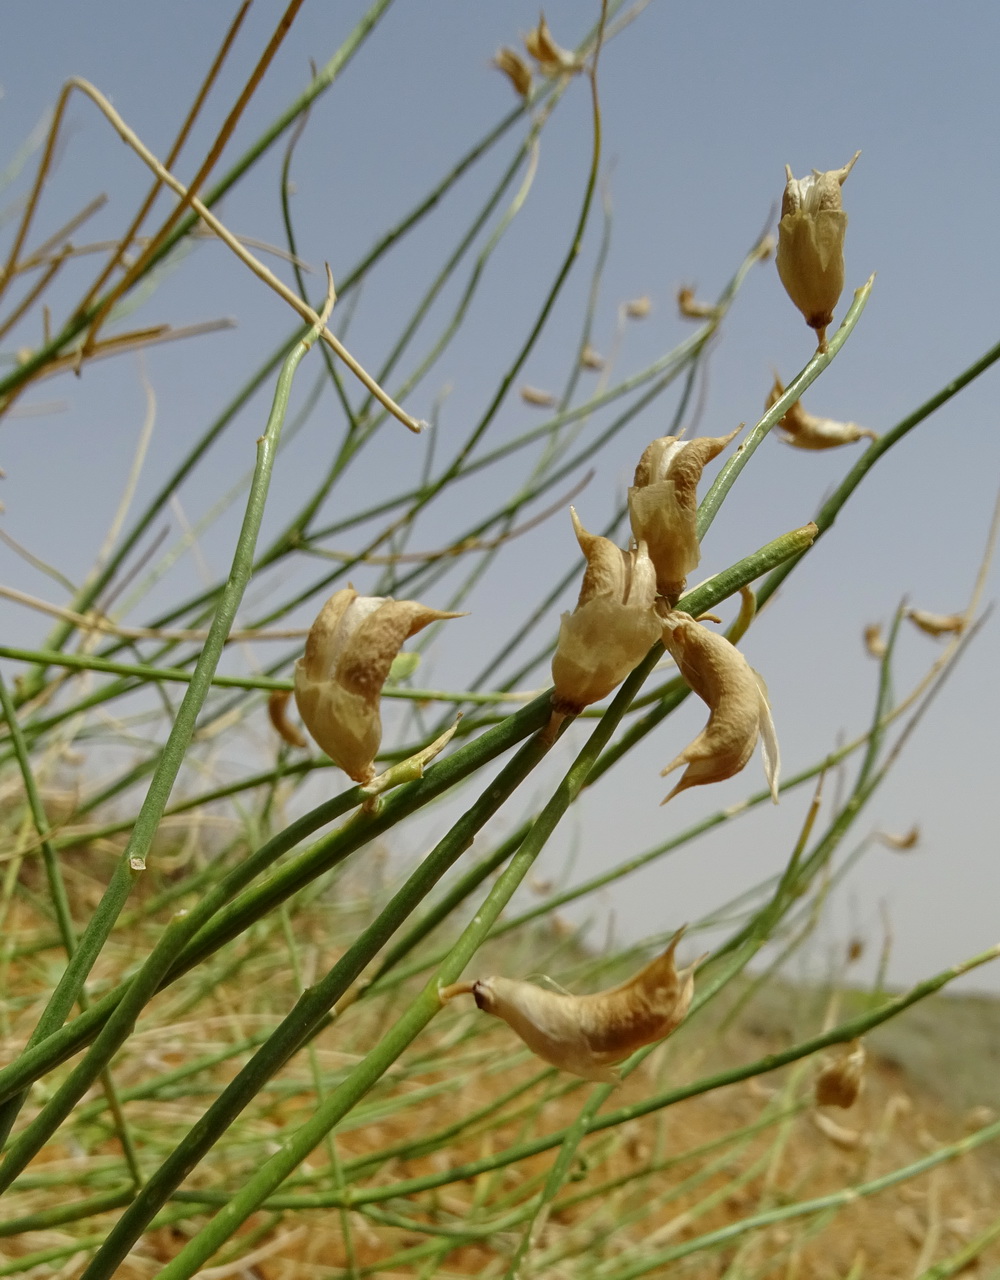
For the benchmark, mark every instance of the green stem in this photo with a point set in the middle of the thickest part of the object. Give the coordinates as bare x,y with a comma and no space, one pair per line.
724,481
132,861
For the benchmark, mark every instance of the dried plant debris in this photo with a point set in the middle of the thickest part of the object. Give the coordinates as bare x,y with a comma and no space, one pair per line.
338,682
805,431
663,505
937,624
811,244
611,629
589,1035
737,700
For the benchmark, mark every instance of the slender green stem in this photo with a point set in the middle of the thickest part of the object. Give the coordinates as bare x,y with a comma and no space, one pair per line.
831,508
132,861
724,481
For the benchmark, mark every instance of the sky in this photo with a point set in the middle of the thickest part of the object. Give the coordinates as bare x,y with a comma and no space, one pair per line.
702,107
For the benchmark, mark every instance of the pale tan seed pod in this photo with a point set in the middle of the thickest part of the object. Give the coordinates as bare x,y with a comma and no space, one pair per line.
339,679
277,710
811,244
551,58
611,629
590,1035
691,309
535,396
805,431
839,1082
514,67
875,641
908,840
663,505
639,308
591,358
936,624
737,701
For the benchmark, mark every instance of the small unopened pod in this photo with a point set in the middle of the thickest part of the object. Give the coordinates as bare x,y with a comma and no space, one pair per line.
811,233
806,431
339,679
737,700
589,1035
663,505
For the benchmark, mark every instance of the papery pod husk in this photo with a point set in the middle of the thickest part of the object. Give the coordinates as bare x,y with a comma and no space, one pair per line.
588,1035
338,681
810,256
347,726
805,431
599,645
612,628
811,262
737,701
663,512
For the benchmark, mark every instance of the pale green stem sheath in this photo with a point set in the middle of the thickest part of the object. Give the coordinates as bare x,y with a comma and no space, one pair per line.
132,861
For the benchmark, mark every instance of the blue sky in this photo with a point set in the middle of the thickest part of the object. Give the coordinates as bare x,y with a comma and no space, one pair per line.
702,107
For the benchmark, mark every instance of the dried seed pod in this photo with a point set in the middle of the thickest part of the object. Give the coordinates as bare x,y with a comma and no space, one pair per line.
811,244
691,309
611,629
514,67
737,700
839,1083
908,840
936,624
805,431
535,396
551,58
338,681
589,1035
874,641
277,710
591,359
639,308
663,505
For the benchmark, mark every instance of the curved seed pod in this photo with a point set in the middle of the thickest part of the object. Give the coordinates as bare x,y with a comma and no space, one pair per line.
875,641
551,58
663,505
936,624
805,431
589,1035
737,699
339,679
611,629
514,67
810,254
277,711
